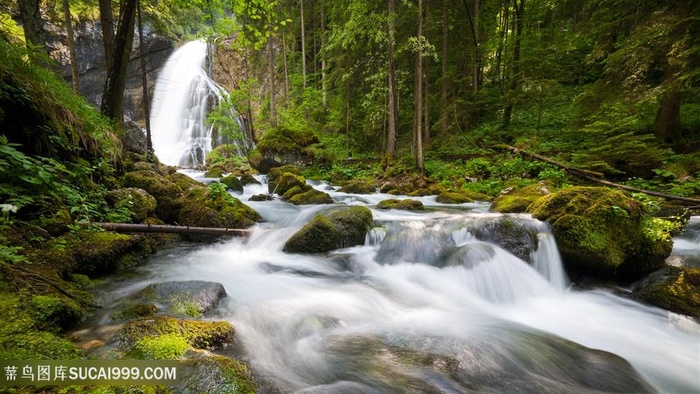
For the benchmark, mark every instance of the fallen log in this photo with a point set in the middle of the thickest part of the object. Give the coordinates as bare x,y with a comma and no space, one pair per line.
596,177
164,228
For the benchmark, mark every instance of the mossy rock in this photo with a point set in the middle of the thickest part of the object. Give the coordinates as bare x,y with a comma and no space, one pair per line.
286,142
134,311
233,183
261,197
343,228
405,204
99,253
247,179
422,192
185,182
201,208
198,334
673,288
292,192
55,313
57,223
311,197
359,186
214,374
284,182
516,201
167,193
191,298
215,171
138,201
602,232
277,172
456,197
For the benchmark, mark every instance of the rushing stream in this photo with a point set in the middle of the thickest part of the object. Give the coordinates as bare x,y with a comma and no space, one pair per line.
424,306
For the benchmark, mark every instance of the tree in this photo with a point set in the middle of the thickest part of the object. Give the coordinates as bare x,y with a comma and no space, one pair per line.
32,24
515,70
418,94
393,108
107,23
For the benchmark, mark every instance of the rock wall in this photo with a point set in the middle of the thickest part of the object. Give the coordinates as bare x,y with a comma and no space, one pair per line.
92,67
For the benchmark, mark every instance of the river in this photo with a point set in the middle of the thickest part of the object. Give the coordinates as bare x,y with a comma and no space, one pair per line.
423,306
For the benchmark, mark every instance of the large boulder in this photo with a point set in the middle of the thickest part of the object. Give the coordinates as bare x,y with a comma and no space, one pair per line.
359,186
214,207
309,197
103,252
340,229
516,236
405,204
604,233
460,197
191,298
672,288
516,201
233,183
285,182
138,201
166,192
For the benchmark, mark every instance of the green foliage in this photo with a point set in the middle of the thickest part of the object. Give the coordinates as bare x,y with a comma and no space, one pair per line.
162,347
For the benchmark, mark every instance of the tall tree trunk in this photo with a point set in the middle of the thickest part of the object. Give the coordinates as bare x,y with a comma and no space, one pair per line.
107,22
426,104
144,84
443,80
477,51
271,75
286,72
393,107
324,87
113,95
75,80
32,24
303,45
418,94
515,76
248,110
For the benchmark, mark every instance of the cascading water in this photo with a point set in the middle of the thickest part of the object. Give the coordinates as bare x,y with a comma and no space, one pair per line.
183,97
431,303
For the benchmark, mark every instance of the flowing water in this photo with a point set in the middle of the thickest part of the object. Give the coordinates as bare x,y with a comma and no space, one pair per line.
183,97
428,304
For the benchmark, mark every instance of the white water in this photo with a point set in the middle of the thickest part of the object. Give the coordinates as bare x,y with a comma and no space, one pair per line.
421,282
183,96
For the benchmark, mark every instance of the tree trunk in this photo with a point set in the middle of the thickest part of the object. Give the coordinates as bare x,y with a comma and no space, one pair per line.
477,51
324,87
107,22
393,108
418,94
271,75
303,45
32,24
443,80
75,80
113,96
144,83
426,105
515,75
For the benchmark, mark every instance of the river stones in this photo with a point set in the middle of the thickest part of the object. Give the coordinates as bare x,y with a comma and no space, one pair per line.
516,201
204,372
516,236
186,298
340,229
672,288
405,204
233,183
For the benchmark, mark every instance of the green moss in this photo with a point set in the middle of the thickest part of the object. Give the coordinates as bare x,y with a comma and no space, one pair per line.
282,140
675,289
515,201
292,192
135,311
601,232
206,209
52,313
311,197
277,172
217,374
247,179
215,171
104,252
342,228
161,347
198,334
140,204
166,192
285,182
315,237
183,181
405,204
359,186
454,198
233,183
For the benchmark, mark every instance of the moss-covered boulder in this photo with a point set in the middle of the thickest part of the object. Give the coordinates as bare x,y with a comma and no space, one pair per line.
673,288
138,201
213,207
208,373
283,145
104,252
247,179
166,192
277,172
310,197
233,183
460,197
359,186
183,181
282,184
405,205
515,201
340,229
215,171
602,232
191,298
134,311
516,236
197,334
261,197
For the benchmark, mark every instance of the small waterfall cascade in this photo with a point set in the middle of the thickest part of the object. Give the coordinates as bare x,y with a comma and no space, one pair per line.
184,96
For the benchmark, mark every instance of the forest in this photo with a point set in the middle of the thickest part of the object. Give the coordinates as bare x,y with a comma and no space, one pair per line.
578,119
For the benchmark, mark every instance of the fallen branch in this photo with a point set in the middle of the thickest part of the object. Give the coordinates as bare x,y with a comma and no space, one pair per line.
163,228
595,177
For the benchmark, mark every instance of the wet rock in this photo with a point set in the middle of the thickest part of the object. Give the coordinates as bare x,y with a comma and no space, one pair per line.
513,235
261,197
247,179
340,229
310,197
166,192
134,312
406,204
185,298
233,183
204,372
286,182
204,207
603,233
104,252
515,201
138,201
360,186
456,198
672,288
164,329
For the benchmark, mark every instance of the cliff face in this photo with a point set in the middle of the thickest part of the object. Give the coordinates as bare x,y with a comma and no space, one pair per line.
92,67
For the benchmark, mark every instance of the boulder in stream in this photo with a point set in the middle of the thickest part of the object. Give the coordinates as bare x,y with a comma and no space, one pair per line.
340,229
673,288
233,183
191,298
515,201
405,204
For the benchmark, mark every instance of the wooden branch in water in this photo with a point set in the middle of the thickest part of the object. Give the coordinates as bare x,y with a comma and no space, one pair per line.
596,177
163,228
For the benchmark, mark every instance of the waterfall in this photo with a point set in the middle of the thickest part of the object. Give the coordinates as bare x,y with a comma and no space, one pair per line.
183,97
